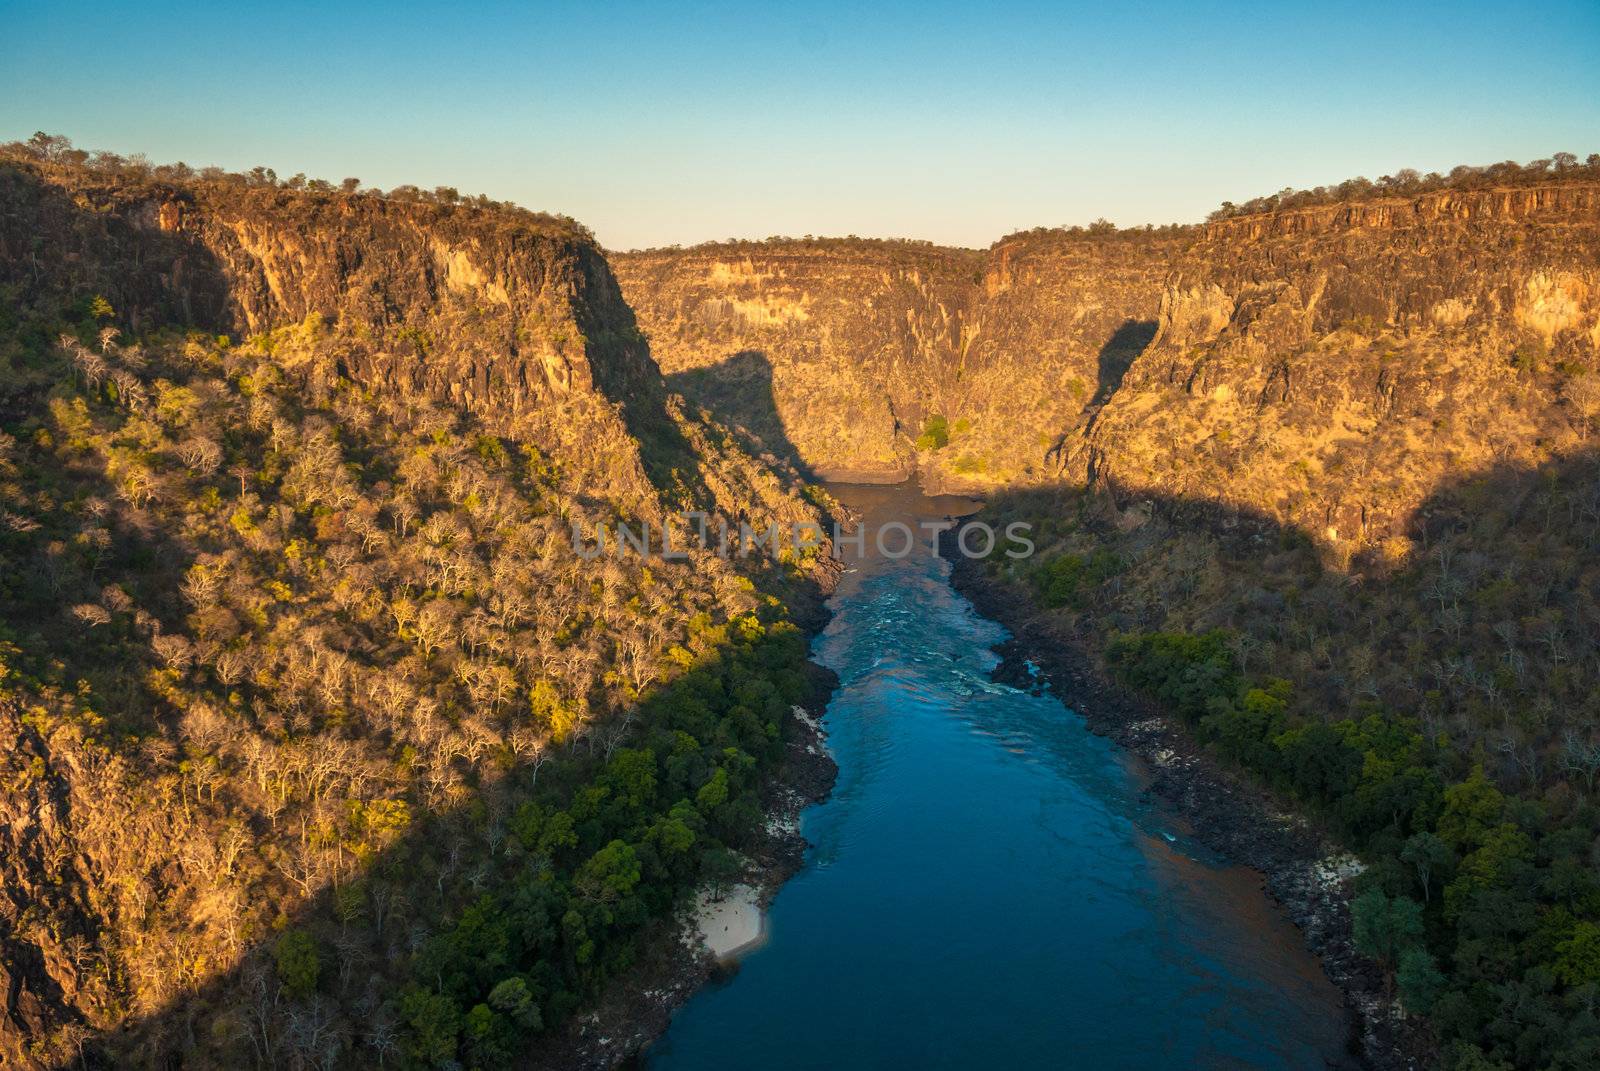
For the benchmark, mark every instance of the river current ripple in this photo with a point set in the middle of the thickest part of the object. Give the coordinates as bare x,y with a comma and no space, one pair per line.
988,887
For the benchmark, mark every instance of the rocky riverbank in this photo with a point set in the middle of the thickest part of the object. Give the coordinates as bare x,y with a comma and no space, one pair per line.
1301,868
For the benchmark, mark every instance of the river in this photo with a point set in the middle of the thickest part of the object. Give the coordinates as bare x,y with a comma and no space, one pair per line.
988,886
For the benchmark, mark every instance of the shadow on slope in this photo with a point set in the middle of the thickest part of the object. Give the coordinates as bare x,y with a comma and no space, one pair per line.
625,373
64,622
502,891
57,254
1116,356
738,392
479,933
1472,614
567,925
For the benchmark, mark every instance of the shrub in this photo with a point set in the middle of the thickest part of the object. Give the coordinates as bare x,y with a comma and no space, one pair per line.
1065,579
935,434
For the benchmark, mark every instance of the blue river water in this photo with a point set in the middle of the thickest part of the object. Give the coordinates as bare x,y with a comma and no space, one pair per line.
987,888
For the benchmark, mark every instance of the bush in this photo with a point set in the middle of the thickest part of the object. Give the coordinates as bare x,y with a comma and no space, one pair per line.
1066,579
935,434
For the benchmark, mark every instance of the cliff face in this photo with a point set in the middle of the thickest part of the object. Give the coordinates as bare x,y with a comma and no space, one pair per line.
1324,365
860,343
833,353
340,538
527,303
512,315
1329,366
1060,319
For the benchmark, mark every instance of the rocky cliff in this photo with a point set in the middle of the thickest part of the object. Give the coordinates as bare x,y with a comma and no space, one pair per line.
832,352
846,350
272,597
496,309
1325,365
1329,366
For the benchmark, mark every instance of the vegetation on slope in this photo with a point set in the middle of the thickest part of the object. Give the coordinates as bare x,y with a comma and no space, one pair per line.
295,620
57,152
343,755
1407,182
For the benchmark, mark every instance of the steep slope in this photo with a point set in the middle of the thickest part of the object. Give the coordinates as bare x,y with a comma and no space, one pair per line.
305,673
1261,357
330,746
500,311
1061,317
1339,521
1319,478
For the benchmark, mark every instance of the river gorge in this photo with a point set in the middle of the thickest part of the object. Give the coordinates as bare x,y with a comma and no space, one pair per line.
988,884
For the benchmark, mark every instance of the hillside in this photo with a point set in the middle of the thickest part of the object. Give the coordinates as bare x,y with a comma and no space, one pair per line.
1339,520
328,745
1330,366
844,354
833,353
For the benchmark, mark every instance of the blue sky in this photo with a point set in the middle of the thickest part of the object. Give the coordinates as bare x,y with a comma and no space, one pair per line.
664,123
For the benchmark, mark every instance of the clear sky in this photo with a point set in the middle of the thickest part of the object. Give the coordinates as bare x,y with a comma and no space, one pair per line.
667,123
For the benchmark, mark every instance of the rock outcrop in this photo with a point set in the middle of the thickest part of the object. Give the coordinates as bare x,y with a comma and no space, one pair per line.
832,353
841,352
459,383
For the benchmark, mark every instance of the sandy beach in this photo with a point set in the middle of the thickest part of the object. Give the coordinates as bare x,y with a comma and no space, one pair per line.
732,925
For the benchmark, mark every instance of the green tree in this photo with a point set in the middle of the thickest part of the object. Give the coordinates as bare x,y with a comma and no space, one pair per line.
714,793
435,1023
935,433
721,868
513,999
1385,926
1428,855
610,874
299,966
1419,980
1578,956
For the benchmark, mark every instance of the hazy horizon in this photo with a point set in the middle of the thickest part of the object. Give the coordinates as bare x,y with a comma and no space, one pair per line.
659,128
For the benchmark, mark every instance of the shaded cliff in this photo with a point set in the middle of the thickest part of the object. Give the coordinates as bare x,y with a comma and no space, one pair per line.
855,336
496,309
867,342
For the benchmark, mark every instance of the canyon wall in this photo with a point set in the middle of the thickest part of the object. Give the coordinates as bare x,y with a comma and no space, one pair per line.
1328,367
1323,365
497,309
288,478
842,351
833,353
